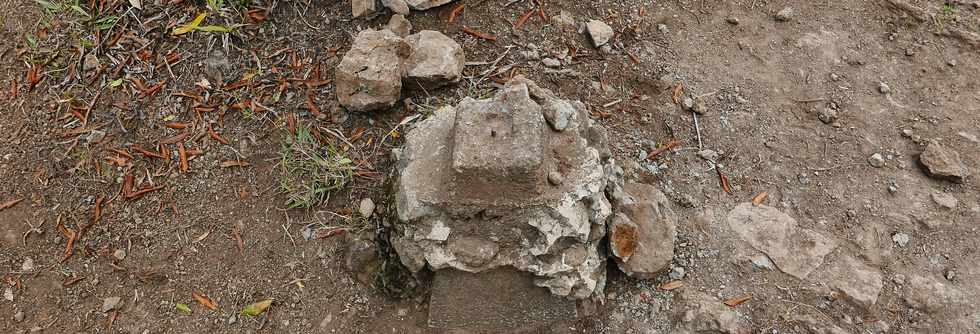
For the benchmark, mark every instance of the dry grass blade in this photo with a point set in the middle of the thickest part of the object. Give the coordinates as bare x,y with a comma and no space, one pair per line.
678,92
761,197
10,203
672,285
453,14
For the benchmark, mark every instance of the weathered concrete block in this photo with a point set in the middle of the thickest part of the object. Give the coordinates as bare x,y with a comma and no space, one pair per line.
495,300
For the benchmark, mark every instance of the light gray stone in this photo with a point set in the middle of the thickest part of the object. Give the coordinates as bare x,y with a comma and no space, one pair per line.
399,25
876,160
366,207
111,303
361,8
436,60
369,75
943,163
860,283
397,6
795,251
785,14
426,4
599,32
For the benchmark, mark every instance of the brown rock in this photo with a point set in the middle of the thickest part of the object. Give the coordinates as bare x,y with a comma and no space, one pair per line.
700,313
943,163
795,251
642,235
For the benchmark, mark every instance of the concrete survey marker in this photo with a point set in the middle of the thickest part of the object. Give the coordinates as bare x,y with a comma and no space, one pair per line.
507,197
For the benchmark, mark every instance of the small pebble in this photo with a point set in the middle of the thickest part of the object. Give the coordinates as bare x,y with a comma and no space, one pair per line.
366,208
876,160
901,239
119,254
555,178
785,14
551,62
677,273
19,316
950,275
662,28
884,88
733,21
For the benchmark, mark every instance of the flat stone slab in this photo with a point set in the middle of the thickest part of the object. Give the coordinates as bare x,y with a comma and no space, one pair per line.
500,299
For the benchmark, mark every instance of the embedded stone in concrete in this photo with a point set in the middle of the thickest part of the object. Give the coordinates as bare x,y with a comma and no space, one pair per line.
494,300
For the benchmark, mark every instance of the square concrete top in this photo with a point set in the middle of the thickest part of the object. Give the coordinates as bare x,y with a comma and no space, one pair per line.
499,139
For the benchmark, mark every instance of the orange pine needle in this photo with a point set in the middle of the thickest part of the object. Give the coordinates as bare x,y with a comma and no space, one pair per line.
521,21
479,35
455,12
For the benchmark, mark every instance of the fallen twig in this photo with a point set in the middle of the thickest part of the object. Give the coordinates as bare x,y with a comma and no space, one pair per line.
10,203
479,35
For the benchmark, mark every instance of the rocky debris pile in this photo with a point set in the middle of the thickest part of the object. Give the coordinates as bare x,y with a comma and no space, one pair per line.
943,163
522,181
370,76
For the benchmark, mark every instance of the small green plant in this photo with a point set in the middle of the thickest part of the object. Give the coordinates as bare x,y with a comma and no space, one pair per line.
311,171
948,8
216,5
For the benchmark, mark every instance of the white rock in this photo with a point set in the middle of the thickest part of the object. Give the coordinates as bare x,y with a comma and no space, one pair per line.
599,31
785,14
366,208
876,160
369,76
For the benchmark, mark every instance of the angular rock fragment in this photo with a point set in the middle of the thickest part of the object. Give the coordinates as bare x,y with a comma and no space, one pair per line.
795,251
642,235
361,8
426,4
399,25
397,6
943,163
599,32
361,258
473,193
930,295
369,76
859,282
699,313
435,60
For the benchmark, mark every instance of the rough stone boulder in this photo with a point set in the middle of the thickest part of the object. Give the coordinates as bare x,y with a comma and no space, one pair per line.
943,163
369,76
642,233
436,59
473,193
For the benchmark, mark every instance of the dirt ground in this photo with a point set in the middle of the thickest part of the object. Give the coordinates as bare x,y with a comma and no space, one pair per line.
99,218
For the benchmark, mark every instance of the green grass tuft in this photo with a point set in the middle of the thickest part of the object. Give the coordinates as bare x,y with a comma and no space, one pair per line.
311,172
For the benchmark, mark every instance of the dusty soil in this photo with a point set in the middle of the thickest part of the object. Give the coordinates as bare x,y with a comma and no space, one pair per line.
80,236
